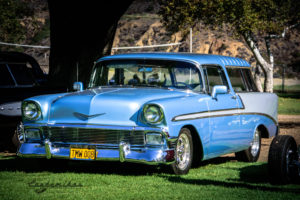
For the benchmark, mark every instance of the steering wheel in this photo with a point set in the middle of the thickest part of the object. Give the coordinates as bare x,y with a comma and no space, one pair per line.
185,84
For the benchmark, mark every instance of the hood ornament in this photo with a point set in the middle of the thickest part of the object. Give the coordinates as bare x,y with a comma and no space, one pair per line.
86,117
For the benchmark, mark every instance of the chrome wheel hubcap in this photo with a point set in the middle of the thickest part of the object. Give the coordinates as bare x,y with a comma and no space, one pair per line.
255,144
19,132
183,151
289,159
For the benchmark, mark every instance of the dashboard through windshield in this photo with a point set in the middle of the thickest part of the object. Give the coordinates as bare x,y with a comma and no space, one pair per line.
147,73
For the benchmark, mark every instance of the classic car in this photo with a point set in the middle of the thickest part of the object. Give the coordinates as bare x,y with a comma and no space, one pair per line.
21,77
154,108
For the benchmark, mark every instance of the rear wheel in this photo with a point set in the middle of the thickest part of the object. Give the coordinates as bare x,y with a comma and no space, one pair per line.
282,160
252,153
183,152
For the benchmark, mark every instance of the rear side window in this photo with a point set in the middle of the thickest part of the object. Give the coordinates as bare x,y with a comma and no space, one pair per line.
236,79
215,76
241,80
249,80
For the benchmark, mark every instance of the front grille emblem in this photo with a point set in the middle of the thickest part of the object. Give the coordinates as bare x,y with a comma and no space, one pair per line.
86,117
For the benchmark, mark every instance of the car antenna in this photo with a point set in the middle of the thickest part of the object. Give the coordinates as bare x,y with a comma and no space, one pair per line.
77,70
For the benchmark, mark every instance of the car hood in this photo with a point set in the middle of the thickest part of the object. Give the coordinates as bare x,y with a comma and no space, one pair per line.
106,106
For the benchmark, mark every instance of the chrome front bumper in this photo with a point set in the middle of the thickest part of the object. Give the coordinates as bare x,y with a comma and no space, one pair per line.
123,151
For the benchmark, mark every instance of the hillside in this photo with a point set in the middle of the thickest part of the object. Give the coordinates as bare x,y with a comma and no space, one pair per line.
141,25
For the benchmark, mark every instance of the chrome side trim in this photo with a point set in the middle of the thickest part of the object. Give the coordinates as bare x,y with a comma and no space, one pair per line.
193,116
262,114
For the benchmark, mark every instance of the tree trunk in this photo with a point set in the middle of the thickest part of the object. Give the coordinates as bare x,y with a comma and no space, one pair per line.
257,75
80,33
267,67
268,87
268,84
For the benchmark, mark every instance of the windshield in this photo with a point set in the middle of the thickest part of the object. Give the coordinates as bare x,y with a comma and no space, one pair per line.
147,73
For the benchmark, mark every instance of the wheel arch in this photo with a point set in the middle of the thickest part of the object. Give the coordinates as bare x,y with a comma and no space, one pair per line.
263,130
198,147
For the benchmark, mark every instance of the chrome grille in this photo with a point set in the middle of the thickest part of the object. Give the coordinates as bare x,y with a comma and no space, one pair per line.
93,136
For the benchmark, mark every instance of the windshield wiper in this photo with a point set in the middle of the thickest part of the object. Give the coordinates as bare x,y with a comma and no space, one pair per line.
129,86
145,85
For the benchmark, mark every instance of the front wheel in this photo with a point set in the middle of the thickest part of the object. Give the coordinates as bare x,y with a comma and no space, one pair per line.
183,152
252,153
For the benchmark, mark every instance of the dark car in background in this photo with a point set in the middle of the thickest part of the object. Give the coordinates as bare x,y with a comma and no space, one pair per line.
20,77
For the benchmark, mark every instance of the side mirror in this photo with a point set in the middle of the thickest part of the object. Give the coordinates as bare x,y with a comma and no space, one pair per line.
218,89
78,86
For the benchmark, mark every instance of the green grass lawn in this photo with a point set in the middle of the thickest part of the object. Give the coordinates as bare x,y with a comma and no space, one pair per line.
289,106
218,179
289,103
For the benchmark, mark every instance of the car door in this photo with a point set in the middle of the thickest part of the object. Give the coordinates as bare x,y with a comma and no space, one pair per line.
224,118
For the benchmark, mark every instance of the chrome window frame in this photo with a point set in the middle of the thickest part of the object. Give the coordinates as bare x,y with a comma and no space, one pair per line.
225,76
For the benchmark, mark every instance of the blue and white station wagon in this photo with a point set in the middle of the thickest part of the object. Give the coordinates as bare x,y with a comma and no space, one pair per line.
153,108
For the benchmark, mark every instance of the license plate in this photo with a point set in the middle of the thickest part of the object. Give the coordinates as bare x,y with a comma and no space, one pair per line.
78,153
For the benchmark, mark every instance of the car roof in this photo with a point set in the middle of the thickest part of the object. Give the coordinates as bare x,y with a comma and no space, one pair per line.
202,59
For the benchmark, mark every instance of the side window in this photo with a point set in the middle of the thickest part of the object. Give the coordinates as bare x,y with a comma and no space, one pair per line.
22,74
5,77
249,80
188,76
241,80
215,76
236,79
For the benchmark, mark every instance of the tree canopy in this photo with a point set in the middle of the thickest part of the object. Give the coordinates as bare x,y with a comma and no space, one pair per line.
12,12
247,18
257,16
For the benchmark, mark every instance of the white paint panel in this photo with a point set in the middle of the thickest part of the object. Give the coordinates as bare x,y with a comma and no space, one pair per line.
257,102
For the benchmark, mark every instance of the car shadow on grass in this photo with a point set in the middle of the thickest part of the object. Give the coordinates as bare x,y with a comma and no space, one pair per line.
216,161
229,184
253,177
256,174
30,165
11,162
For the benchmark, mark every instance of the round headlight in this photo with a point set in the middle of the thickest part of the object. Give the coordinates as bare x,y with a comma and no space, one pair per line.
153,114
31,110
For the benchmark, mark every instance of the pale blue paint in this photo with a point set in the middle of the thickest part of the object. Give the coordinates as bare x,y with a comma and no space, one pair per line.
122,107
202,59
